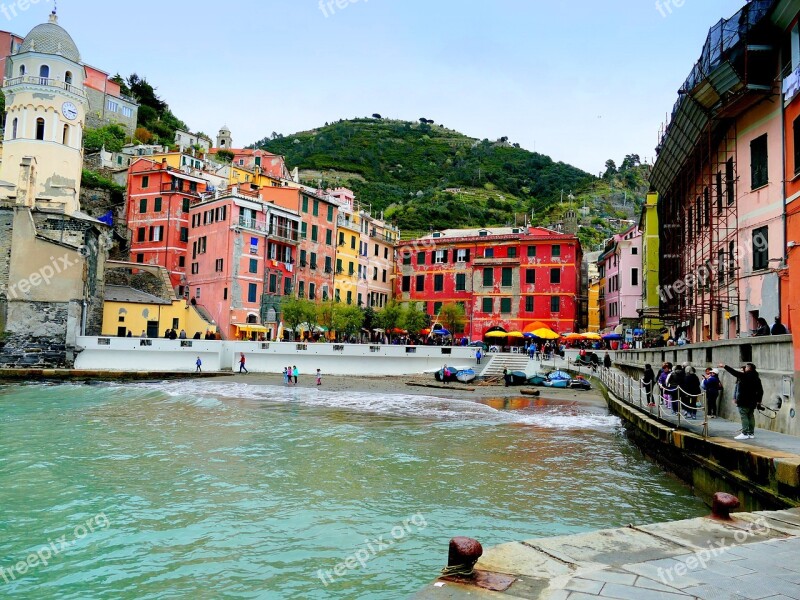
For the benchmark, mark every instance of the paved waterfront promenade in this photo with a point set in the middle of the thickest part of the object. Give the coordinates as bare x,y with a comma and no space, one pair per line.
754,556
720,428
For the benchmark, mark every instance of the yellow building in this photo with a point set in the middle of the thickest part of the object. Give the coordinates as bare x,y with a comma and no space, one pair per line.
651,302
348,270
129,310
594,306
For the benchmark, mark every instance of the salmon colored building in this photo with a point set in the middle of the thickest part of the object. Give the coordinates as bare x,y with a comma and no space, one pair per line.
503,276
317,248
158,203
242,260
719,176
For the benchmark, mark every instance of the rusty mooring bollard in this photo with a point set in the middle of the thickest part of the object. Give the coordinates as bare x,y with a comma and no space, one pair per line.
723,504
463,554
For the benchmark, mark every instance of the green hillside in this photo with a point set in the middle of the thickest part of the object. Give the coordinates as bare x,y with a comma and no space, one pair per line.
424,175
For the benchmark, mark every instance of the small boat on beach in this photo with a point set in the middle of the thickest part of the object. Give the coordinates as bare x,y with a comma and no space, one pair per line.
558,379
466,375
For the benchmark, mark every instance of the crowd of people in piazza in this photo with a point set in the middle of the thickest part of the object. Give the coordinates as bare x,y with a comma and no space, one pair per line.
678,389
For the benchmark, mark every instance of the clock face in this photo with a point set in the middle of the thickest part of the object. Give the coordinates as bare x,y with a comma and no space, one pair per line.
69,110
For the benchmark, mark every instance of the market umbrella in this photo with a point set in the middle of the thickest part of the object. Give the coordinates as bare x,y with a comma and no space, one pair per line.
441,332
425,331
534,326
573,336
546,334
592,336
496,334
612,336
516,334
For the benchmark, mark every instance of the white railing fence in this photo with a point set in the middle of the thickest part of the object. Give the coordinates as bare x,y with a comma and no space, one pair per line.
669,404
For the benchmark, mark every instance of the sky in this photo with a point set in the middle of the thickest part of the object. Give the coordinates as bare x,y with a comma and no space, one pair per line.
581,81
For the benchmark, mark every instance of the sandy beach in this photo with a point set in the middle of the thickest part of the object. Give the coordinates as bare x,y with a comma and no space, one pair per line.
398,385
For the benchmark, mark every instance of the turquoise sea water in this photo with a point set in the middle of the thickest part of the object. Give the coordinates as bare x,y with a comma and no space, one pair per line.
215,490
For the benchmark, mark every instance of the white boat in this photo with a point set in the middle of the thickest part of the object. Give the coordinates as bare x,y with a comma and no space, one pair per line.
466,375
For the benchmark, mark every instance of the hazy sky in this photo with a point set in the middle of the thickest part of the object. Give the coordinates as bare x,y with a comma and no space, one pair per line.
582,81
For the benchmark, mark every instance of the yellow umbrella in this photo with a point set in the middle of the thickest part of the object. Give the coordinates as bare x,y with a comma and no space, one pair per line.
496,334
546,334
515,334
592,336
573,336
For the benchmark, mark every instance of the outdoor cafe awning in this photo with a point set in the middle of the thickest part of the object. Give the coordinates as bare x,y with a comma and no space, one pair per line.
250,327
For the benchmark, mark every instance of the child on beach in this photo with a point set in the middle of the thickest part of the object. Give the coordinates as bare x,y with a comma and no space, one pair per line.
319,377
285,377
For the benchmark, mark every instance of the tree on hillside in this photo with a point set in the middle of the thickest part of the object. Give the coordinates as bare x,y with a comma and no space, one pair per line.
413,319
629,162
453,317
111,137
376,116
611,169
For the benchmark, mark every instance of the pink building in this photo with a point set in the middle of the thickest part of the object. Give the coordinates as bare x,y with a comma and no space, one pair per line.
242,257
620,267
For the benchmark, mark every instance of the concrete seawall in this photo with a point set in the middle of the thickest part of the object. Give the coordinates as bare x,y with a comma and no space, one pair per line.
773,356
135,354
759,477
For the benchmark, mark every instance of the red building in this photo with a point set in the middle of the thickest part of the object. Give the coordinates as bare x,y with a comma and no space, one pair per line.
505,277
158,204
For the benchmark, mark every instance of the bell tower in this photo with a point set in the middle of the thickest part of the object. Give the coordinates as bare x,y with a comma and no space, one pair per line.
46,109
224,140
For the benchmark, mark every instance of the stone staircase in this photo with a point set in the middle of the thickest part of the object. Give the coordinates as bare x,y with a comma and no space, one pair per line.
497,362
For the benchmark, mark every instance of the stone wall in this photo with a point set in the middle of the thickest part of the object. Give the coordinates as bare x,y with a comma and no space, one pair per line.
40,336
773,357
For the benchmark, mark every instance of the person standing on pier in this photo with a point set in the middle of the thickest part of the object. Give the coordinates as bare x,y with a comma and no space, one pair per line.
198,364
242,360
748,395
691,391
778,328
478,355
712,386
648,381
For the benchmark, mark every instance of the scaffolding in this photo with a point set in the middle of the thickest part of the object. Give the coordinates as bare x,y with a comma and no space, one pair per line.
699,279
696,175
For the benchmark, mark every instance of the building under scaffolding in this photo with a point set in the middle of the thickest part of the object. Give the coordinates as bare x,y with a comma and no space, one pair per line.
707,195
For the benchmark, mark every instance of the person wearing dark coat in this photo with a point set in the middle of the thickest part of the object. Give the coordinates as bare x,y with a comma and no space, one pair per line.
675,383
748,395
648,382
779,328
712,386
607,361
763,328
691,390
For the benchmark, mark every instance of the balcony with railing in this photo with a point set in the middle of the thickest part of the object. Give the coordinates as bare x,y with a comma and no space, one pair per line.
176,188
252,224
284,234
45,82
348,223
